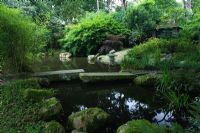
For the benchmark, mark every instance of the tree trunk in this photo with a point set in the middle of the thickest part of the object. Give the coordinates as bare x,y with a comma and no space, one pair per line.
97,5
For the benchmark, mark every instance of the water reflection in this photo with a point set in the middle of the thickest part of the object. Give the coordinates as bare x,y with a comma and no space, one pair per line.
123,101
134,105
54,63
81,107
163,118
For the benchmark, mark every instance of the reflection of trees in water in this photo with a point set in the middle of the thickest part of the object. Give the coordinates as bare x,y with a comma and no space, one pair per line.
123,104
125,108
82,63
47,64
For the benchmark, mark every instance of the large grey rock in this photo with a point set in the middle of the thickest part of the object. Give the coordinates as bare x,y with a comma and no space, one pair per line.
118,57
54,127
51,108
89,120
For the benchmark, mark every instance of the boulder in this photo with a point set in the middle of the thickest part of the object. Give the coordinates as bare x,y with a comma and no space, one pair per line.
146,80
104,59
53,127
138,126
43,82
51,108
118,57
37,94
92,58
76,131
89,120
65,55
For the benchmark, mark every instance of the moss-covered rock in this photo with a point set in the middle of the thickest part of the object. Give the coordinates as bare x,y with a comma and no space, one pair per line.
76,131
146,80
144,126
54,127
138,126
37,94
51,107
89,120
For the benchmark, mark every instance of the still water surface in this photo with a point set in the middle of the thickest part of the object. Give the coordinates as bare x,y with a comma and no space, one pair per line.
123,100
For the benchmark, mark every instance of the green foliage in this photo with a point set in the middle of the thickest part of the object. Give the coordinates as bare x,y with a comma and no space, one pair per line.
19,38
196,6
18,115
145,55
157,53
142,17
87,36
170,11
36,128
176,100
191,30
195,116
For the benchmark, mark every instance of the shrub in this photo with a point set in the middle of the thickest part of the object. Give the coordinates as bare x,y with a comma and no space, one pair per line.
155,53
86,37
142,18
191,30
195,116
19,38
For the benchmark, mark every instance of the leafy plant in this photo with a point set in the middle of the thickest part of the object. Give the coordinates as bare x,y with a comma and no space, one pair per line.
195,116
87,36
19,38
143,18
17,115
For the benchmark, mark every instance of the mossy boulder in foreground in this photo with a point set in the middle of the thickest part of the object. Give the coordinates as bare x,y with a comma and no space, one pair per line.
37,94
76,131
89,120
144,126
51,107
54,127
146,80
138,126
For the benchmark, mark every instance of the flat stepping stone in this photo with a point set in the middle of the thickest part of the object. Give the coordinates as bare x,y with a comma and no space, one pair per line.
107,76
59,75
61,72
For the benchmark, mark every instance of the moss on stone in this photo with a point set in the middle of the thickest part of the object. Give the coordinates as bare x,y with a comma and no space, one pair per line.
54,127
37,94
76,131
51,107
138,126
89,120
146,80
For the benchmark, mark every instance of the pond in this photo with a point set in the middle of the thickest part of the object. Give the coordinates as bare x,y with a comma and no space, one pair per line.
53,63
123,100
